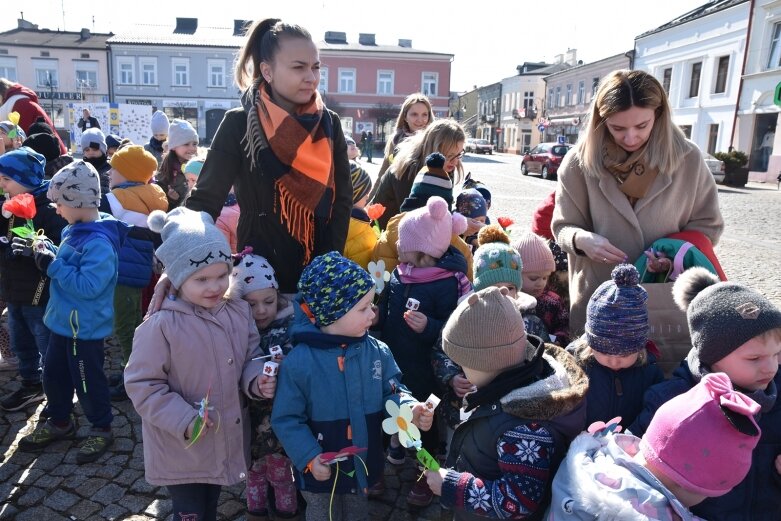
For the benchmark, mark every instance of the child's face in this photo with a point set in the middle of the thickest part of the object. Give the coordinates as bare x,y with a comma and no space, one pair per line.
115,178
616,362
534,282
91,153
160,137
355,322
512,288
753,365
417,259
352,151
72,215
186,152
264,306
207,286
11,187
191,179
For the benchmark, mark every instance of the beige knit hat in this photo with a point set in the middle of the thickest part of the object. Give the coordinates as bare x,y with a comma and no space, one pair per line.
486,332
535,253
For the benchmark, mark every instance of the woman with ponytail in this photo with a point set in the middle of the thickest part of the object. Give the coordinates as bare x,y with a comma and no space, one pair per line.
284,152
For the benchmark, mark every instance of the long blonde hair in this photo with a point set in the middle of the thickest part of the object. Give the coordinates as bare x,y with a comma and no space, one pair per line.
442,134
401,122
619,91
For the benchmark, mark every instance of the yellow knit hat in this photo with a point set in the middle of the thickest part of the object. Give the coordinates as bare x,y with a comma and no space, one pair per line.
134,163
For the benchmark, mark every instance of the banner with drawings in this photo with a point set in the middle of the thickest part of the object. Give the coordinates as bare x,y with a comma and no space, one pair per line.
124,120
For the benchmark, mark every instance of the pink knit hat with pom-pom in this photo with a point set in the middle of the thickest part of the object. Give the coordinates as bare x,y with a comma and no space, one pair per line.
430,229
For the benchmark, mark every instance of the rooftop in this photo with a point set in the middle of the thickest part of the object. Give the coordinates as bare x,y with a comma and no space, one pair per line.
711,7
34,37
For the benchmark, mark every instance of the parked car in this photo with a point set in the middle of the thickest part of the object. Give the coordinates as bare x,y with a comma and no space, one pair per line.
469,146
544,159
482,146
716,167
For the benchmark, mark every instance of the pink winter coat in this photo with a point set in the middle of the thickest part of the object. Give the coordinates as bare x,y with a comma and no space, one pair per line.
179,353
228,222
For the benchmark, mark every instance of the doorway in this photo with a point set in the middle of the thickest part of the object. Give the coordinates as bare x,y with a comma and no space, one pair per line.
764,125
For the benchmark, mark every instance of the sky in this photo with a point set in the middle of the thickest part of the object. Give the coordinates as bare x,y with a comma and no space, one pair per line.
488,40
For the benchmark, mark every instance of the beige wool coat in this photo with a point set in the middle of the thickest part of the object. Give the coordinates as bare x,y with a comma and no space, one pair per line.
685,199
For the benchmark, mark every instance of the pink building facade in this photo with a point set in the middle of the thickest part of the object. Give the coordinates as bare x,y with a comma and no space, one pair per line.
366,83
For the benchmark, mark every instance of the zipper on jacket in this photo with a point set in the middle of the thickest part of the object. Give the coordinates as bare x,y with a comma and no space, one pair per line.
619,387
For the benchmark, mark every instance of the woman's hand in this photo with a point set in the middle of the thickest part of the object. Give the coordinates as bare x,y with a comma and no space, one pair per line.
461,386
163,289
598,248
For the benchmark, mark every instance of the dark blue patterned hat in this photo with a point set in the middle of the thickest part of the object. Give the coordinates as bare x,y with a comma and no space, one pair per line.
617,314
331,286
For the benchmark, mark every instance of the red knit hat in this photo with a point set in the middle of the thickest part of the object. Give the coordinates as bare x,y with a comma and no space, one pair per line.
535,253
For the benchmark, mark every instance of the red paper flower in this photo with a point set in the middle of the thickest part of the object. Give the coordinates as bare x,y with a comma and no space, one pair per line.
22,205
375,211
505,222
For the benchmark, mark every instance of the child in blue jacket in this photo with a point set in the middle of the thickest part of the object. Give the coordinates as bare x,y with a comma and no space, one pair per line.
332,389
80,313
615,351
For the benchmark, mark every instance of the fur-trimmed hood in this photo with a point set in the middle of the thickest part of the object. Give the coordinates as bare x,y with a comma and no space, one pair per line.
556,395
599,479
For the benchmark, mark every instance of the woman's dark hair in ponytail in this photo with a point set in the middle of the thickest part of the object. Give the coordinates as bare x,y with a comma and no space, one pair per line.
261,45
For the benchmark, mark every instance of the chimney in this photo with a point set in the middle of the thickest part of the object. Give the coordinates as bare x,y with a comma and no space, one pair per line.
571,57
335,37
186,25
366,39
24,24
240,27
558,59
85,34
405,43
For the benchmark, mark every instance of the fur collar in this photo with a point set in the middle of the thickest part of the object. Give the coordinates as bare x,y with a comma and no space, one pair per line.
553,396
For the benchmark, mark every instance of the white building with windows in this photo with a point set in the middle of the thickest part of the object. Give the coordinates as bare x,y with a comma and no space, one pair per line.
185,70
757,113
698,58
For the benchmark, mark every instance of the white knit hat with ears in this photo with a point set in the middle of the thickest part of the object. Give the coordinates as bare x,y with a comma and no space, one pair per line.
252,272
191,241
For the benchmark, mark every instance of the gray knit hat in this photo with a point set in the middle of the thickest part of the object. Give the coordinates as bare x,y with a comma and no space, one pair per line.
160,123
486,332
180,132
722,315
93,137
191,241
253,272
76,185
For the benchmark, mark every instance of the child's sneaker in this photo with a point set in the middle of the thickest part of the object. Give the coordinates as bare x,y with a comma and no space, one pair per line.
22,397
420,495
45,434
94,446
396,455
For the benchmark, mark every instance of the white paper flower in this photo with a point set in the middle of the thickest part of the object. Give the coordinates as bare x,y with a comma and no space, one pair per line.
378,274
400,422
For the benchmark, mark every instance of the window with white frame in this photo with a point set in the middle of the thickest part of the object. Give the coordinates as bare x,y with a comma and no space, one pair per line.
323,87
347,80
126,67
774,58
216,70
148,67
558,97
8,68
86,74
385,82
694,79
180,72
722,67
528,100
667,79
46,73
581,92
594,86
550,98
569,94
429,83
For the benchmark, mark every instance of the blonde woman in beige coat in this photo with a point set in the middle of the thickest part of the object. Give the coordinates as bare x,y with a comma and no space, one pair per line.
632,178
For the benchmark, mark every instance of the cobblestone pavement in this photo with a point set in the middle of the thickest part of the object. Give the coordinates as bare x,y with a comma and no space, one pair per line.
51,486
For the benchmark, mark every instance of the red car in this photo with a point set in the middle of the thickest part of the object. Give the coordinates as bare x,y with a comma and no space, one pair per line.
544,159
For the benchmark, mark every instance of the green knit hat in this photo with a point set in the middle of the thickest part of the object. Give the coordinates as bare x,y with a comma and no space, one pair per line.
495,260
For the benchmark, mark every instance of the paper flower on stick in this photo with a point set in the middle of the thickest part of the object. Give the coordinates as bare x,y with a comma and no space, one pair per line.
379,274
505,222
400,422
375,211
23,207
328,458
13,117
202,419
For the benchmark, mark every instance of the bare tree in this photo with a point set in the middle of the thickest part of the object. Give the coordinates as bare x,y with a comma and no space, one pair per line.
382,113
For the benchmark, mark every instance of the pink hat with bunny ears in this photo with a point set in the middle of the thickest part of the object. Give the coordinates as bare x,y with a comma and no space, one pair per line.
703,439
430,229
